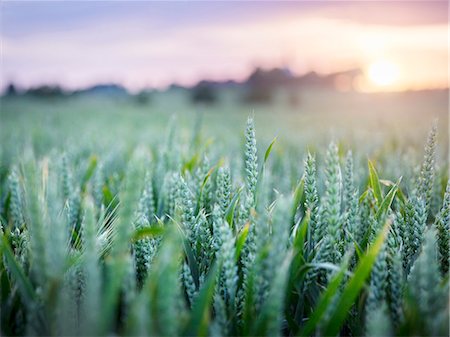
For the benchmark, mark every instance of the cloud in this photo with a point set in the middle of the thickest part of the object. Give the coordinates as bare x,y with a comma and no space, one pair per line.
386,13
155,48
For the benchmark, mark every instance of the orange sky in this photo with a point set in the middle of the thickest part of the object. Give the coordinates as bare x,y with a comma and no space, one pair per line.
158,44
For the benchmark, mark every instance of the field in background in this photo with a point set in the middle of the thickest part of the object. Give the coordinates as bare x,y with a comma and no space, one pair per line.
365,119
383,127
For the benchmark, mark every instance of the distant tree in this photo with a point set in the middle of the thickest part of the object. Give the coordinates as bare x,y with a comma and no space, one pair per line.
45,91
11,90
144,97
262,84
204,93
259,93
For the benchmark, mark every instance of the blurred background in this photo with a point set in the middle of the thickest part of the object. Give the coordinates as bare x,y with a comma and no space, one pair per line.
307,71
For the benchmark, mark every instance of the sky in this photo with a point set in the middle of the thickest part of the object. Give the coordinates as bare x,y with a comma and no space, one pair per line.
399,45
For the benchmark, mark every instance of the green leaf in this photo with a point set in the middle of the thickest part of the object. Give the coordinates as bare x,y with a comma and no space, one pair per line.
363,196
298,259
89,171
358,249
400,194
191,163
375,183
211,170
200,316
324,302
109,198
145,232
192,261
299,234
23,283
298,196
229,216
269,149
354,285
205,180
387,201
326,266
242,237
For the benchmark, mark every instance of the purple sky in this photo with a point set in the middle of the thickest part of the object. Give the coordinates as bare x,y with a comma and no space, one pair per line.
156,43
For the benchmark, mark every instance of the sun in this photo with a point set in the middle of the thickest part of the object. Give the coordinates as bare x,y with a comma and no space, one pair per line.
383,73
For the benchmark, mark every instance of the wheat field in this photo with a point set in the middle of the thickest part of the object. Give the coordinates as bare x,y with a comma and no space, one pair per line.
196,224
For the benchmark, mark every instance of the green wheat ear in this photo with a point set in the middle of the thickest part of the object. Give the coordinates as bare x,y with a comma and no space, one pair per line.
251,160
144,252
378,283
416,223
427,172
395,273
442,224
16,201
226,257
146,206
186,208
189,283
350,202
424,284
223,193
316,233
332,203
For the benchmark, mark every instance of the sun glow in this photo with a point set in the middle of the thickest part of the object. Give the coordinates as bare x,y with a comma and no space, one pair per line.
383,73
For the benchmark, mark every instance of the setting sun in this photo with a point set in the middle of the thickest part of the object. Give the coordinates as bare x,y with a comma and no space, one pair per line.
383,73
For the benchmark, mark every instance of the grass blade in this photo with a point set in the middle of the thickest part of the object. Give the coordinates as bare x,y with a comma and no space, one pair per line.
387,201
355,284
324,302
269,149
25,287
146,232
374,182
200,317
